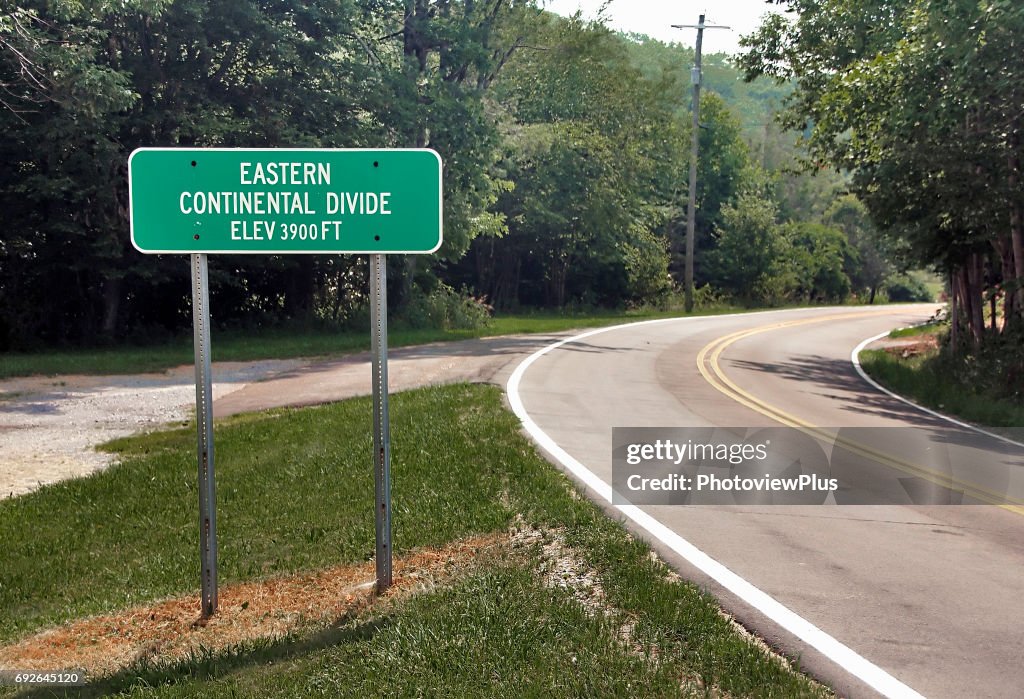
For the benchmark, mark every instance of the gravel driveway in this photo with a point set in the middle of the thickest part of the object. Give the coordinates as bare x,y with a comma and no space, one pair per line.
50,426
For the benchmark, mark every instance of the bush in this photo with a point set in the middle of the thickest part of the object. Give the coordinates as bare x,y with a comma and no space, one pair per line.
646,261
705,297
995,369
446,309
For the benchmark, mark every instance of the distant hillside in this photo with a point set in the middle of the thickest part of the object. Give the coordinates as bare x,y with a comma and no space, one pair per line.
802,196
754,103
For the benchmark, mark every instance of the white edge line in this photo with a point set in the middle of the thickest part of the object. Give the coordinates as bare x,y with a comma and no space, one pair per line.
854,663
855,360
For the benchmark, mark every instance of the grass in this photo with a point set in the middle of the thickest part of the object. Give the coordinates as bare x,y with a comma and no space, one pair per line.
918,330
288,344
295,494
279,343
934,283
924,379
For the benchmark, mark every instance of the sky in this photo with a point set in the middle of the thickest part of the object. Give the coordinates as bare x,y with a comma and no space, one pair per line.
654,17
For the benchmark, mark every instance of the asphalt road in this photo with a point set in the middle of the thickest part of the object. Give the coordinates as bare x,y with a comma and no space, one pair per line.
932,595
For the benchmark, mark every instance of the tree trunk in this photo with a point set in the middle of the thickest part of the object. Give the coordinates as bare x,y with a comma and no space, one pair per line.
416,48
1016,213
300,290
963,305
514,286
483,263
975,304
505,284
1005,248
559,271
111,305
1017,246
954,313
871,299
406,284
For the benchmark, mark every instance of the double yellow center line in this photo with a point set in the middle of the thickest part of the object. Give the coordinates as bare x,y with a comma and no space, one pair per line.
708,364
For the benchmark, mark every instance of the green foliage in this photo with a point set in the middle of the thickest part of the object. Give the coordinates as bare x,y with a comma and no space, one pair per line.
907,287
868,251
219,74
707,297
159,74
565,150
815,261
646,263
723,168
749,109
596,140
569,209
430,83
921,103
446,309
753,103
759,261
749,261
585,146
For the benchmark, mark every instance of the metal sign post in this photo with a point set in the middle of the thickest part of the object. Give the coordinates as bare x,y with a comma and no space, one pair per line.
381,422
204,430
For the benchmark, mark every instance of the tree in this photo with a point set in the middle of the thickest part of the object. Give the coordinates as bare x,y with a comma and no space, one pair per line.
920,102
591,148
155,74
88,82
868,253
54,94
749,260
432,66
815,262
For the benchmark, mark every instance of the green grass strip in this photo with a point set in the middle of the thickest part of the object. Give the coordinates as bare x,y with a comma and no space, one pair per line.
285,344
918,330
290,344
920,379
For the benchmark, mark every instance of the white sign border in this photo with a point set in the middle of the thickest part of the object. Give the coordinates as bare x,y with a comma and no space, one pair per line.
440,203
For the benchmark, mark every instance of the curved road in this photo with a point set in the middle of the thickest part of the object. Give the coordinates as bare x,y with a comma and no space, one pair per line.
929,599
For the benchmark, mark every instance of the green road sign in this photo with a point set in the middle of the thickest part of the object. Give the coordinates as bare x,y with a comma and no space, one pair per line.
285,200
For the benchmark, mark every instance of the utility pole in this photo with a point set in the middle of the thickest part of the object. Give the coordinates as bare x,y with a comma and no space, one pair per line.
691,212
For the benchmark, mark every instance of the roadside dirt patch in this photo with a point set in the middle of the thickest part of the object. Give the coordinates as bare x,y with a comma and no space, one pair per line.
560,566
912,346
170,630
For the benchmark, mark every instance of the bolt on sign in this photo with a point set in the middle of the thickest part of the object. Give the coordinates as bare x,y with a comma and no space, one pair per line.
283,201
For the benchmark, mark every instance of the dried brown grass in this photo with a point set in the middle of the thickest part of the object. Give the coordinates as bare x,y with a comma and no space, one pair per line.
172,629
